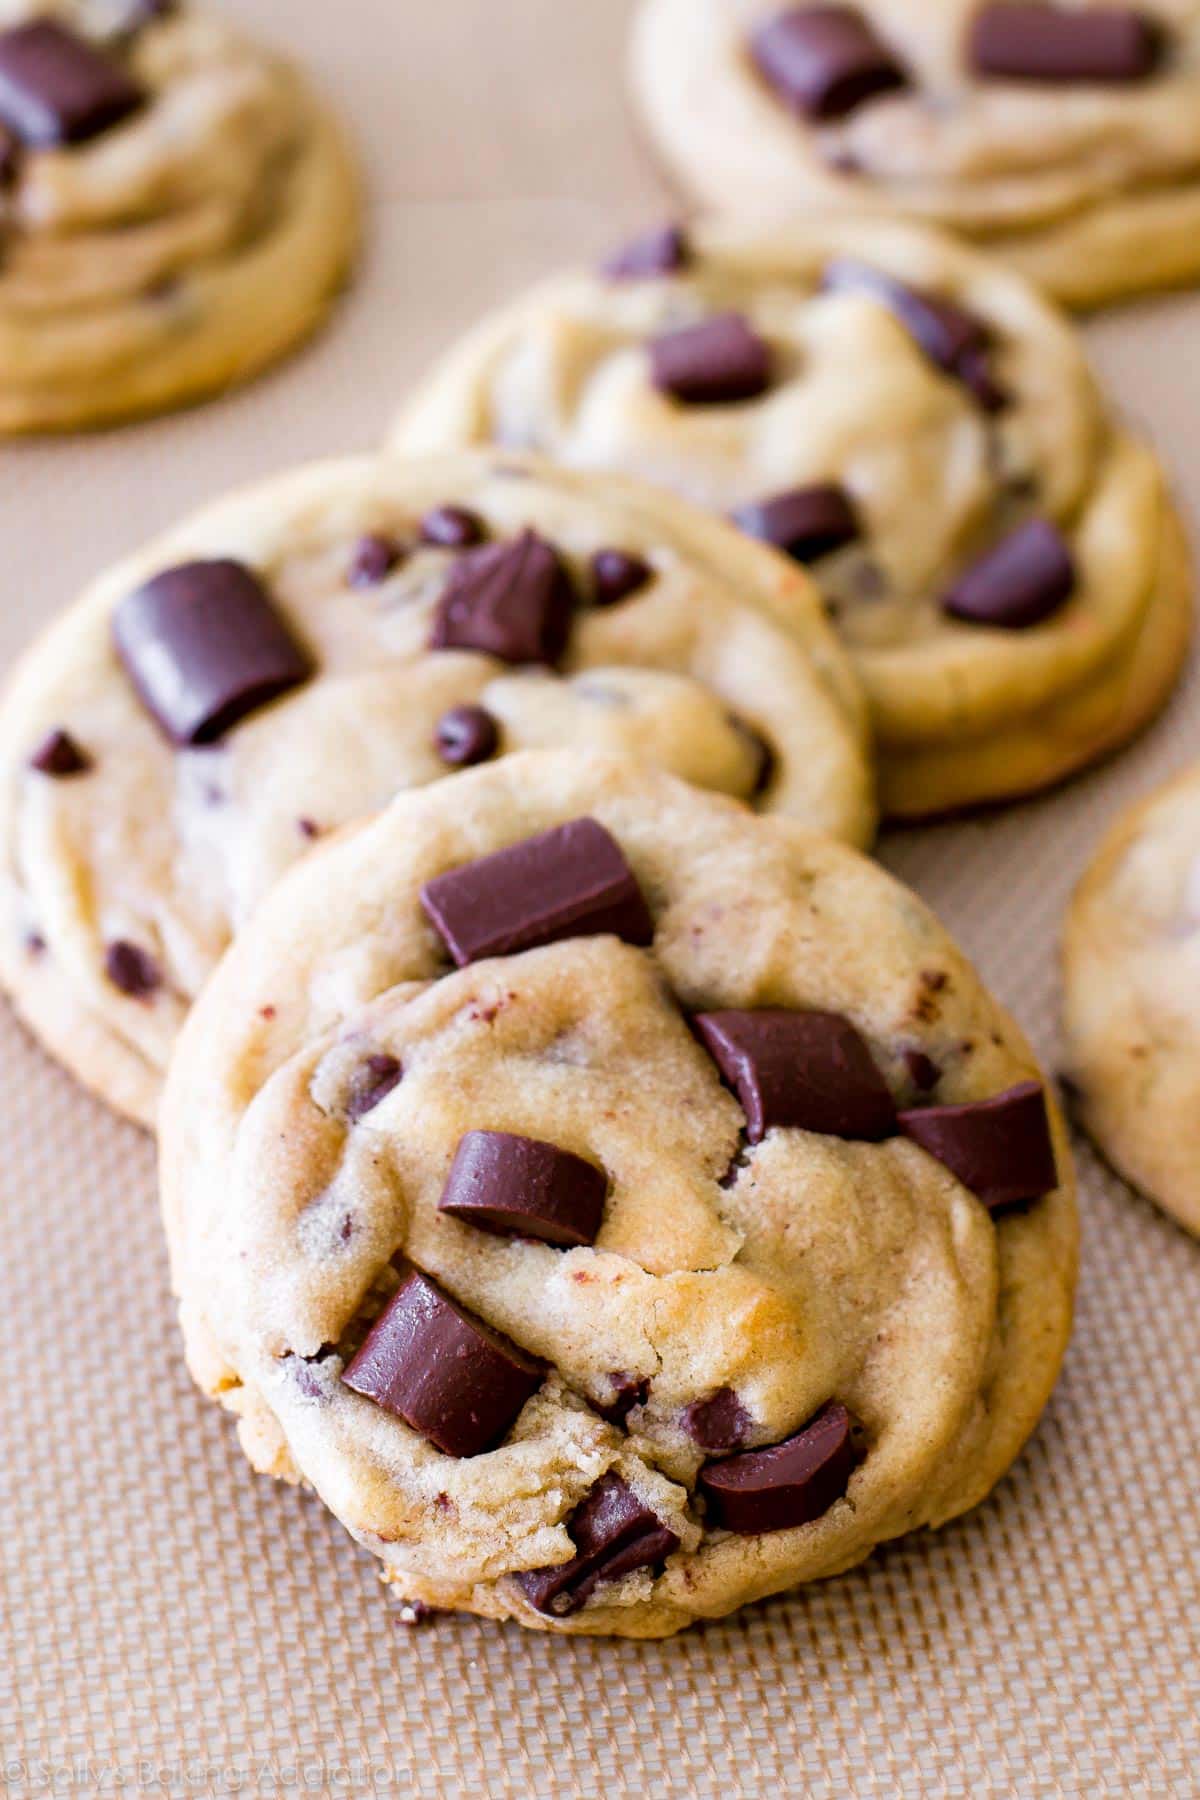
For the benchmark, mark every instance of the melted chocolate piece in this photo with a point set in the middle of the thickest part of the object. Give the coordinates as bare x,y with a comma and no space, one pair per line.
466,735
521,1187
628,1391
616,574
824,61
805,523
58,755
442,1370
132,969
1027,577
373,560
664,251
810,1070
922,1069
204,646
614,1533
712,364
955,340
512,601
719,1423
372,1082
1001,1149
56,88
788,1484
572,881
452,528
1064,44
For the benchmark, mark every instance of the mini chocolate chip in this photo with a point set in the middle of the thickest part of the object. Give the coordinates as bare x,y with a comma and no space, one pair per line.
613,1533
712,364
308,828
442,1370
512,601
1024,579
452,528
628,1392
664,251
466,735
132,969
810,1070
789,1484
719,1423
616,574
1001,1149
60,756
521,1187
806,523
372,1082
922,1069
823,61
955,340
373,559
204,646
1057,43
35,943
572,881
57,88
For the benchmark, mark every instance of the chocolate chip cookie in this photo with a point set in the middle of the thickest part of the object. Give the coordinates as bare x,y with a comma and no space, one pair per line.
176,209
1132,997
617,1206
279,666
907,419
1065,137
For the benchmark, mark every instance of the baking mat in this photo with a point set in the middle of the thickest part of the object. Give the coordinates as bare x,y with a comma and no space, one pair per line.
171,1623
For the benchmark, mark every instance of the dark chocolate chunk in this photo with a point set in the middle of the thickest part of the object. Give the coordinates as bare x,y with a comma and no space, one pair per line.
788,1484
1001,1149
953,339
59,755
806,523
513,601
452,528
661,252
823,61
923,1070
616,574
614,1533
373,559
1057,43
466,735
711,364
10,160
521,1187
203,645
57,88
719,1423
132,969
1024,579
570,882
628,1391
806,1069
442,1370
372,1082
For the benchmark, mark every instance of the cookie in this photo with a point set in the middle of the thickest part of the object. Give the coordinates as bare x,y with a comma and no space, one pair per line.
177,209
1132,997
280,665
617,1206
1065,138
908,419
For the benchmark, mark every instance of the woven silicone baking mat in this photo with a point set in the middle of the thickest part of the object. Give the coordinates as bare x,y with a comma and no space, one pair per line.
171,1623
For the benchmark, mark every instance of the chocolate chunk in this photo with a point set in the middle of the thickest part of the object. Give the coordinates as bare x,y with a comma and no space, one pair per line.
806,523
616,574
442,1370
614,1533
1054,43
132,969
711,364
56,88
953,339
521,1187
661,252
628,1391
10,160
788,1484
570,882
922,1069
1026,578
823,61
373,560
308,828
372,1082
452,528
466,735
204,646
59,755
513,601
719,1423
1001,1149
806,1069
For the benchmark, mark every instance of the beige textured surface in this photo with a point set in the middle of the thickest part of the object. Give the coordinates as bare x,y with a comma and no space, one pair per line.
159,1603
